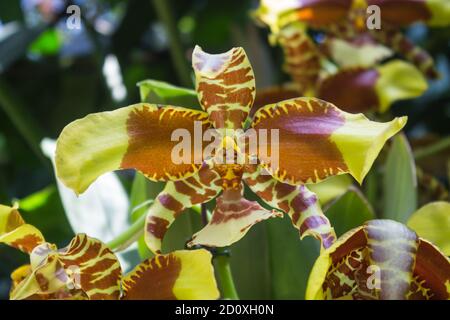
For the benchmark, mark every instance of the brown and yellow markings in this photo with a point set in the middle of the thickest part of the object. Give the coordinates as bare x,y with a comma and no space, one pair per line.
305,128
150,130
140,284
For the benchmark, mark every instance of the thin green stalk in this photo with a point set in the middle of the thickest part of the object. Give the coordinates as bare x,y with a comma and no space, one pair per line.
128,235
20,117
432,149
164,13
222,266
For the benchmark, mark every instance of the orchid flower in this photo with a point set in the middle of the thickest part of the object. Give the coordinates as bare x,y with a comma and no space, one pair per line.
87,269
355,52
316,141
346,19
382,259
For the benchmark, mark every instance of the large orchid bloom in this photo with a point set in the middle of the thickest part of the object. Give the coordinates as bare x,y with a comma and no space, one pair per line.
87,269
316,140
382,259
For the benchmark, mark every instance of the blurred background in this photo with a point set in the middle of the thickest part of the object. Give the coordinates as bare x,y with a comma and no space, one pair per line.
52,74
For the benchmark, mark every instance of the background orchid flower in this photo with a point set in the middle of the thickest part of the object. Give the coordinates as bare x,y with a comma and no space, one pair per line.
346,20
309,63
88,269
317,140
382,259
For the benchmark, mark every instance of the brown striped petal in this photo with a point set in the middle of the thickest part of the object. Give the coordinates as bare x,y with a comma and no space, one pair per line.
225,84
182,275
302,60
15,232
382,259
85,268
298,202
233,216
177,196
318,140
138,137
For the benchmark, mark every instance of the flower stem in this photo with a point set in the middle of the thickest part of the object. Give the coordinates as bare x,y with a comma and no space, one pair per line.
128,236
432,149
164,13
222,264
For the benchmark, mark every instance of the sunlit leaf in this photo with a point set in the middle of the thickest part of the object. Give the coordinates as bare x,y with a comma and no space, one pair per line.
349,211
432,222
153,91
399,182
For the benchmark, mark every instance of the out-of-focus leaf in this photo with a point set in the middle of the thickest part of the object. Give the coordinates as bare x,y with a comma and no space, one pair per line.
250,264
43,210
399,182
38,199
349,211
432,222
331,188
291,259
16,43
48,43
154,91
101,212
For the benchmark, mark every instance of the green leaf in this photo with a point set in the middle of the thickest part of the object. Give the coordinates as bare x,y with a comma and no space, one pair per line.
48,43
153,91
37,200
138,196
331,188
349,211
432,222
399,182
250,264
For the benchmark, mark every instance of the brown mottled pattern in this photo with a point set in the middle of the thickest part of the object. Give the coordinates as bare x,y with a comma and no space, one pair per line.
351,90
177,195
390,246
393,248
157,226
230,205
302,59
305,127
153,279
27,243
294,201
99,280
395,39
228,93
150,131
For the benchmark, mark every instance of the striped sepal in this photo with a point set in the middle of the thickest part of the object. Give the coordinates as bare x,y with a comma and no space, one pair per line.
225,85
177,196
298,202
